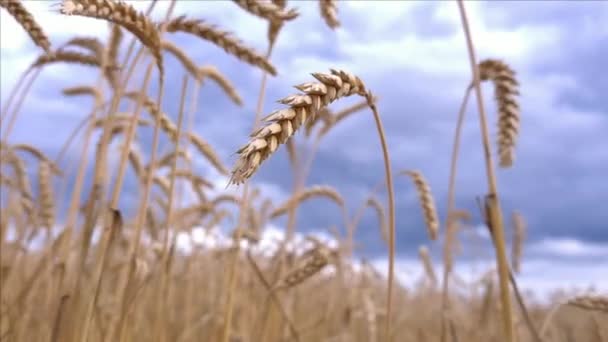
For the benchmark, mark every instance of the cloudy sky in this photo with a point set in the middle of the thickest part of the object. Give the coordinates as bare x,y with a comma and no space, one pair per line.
413,56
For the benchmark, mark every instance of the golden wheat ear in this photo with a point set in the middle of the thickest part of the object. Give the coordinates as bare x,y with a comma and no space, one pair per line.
427,202
16,9
506,89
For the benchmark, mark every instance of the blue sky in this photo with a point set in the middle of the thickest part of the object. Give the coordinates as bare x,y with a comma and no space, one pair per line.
413,56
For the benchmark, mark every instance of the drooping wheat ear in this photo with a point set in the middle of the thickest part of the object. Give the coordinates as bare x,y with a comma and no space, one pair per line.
313,191
519,235
26,20
168,158
166,124
223,39
267,10
163,184
66,57
283,123
377,206
200,210
329,12
590,302
506,90
47,201
426,201
206,150
216,218
38,155
246,234
122,14
196,181
312,263
23,180
275,26
83,90
224,83
229,198
187,63
425,257
91,44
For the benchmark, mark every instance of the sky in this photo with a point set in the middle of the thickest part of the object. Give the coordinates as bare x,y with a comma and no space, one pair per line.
412,55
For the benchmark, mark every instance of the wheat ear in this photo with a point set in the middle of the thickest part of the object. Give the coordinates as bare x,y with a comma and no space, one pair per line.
519,235
329,12
426,201
506,89
283,123
267,10
589,302
91,44
16,9
223,39
47,203
314,191
66,57
122,14
214,74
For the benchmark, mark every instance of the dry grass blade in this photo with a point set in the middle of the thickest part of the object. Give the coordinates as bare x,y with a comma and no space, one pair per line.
506,90
426,201
283,123
223,39
267,10
329,12
121,14
313,191
16,9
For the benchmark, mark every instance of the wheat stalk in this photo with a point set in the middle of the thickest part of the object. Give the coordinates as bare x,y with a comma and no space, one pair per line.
423,252
506,90
16,9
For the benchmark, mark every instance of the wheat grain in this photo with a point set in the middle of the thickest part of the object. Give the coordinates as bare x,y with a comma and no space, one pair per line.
506,90
283,123
16,9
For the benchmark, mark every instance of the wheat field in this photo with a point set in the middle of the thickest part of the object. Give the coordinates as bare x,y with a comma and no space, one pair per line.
76,265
